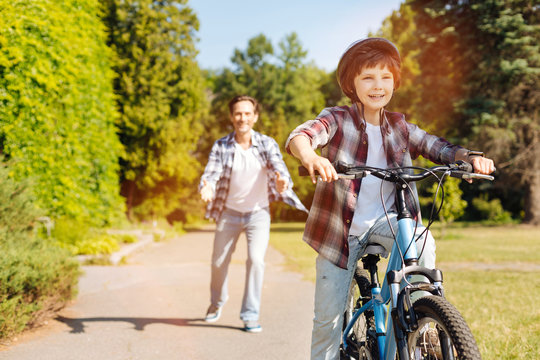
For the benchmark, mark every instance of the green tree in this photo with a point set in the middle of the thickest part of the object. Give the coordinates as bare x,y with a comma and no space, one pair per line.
57,109
287,87
160,95
480,64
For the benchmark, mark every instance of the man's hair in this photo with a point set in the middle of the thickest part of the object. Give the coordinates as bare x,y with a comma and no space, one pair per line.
239,98
368,53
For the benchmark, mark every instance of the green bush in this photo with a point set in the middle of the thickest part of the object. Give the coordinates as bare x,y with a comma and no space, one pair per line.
35,275
57,109
81,239
454,206
491,209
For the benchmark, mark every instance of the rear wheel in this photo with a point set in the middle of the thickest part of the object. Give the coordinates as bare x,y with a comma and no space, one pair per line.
442,332
361,342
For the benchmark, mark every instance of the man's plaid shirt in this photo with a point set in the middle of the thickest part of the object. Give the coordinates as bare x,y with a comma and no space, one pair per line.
219,168
340,133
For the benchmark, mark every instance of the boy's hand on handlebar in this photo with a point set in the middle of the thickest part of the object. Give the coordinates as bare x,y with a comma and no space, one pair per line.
482,165
322,166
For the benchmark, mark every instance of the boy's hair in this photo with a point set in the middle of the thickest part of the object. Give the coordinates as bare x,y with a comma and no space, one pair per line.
368,53
239,98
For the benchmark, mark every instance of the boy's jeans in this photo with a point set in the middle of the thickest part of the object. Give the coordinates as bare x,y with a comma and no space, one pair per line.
229,227
332,285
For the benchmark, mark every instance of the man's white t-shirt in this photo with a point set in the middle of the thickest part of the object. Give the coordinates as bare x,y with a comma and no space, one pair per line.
248,188
369,206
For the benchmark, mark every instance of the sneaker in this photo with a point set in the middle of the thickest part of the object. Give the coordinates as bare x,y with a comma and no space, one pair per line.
213,314
252,326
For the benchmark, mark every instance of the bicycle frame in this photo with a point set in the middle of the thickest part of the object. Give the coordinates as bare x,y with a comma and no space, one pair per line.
386,298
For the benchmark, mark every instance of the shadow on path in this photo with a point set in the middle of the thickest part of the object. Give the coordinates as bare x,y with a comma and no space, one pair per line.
77,324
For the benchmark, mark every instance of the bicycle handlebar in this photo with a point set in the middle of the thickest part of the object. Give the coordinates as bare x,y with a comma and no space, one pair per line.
459,169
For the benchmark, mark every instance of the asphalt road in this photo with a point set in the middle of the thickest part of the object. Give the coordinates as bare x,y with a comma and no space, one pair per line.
152,308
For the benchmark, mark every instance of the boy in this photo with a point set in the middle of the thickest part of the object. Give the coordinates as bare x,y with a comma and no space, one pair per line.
343,211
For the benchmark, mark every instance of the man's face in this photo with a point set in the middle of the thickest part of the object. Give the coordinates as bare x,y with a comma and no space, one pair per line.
243,117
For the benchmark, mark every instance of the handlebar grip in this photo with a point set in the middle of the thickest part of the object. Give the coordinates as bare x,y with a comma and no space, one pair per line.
470,175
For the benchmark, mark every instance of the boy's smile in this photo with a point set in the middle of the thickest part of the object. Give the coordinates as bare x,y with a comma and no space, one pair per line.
374,87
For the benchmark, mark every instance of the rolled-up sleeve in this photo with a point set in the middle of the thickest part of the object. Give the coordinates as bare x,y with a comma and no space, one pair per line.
214,167
318,131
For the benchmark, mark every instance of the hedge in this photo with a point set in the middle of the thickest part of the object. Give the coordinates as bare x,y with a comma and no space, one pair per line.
57,108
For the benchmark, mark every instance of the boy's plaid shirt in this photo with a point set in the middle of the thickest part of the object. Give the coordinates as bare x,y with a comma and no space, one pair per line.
340,133
219,168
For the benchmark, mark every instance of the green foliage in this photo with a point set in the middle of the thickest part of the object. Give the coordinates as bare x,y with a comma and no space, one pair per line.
454,206
56,106
18,212
470,73
288,89
160,98
491,209
80,239
35,275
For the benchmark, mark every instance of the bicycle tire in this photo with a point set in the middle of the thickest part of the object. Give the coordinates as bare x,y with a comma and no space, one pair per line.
444,322
362,342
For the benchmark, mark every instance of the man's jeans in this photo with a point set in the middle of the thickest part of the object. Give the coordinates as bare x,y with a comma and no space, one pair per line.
229,227
333,283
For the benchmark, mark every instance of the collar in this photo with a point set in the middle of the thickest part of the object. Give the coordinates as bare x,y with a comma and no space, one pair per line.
255,139
360,122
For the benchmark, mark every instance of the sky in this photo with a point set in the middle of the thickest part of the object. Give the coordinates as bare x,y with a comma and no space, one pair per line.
325,28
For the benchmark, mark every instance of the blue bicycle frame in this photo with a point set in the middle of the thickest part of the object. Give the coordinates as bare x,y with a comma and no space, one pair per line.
385,299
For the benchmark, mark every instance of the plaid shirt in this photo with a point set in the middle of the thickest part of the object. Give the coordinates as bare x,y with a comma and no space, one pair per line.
219,168
340,133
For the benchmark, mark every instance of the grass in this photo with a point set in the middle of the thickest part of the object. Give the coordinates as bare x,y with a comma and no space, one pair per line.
490,274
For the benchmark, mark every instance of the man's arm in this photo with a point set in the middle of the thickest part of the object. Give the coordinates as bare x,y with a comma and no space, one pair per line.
212,172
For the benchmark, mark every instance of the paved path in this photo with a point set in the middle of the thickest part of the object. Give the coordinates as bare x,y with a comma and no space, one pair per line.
151,308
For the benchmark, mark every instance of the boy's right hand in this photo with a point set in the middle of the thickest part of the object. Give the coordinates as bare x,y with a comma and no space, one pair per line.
322,165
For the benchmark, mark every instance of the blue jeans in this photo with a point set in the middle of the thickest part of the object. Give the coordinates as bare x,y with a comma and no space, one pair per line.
333,283
229,227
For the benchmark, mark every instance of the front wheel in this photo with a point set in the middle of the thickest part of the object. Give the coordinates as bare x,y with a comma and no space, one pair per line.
442,332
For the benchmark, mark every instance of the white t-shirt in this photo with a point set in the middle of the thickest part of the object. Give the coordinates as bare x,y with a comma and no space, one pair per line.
248,189
369,206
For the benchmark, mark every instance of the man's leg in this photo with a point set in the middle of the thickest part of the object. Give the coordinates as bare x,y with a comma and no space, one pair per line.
258,235
331,291
228,230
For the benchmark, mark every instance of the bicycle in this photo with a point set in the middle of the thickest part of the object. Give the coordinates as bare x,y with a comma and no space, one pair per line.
381,321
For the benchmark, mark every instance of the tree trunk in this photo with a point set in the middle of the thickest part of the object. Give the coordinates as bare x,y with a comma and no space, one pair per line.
532,200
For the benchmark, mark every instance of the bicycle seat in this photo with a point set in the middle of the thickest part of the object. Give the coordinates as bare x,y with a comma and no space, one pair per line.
376,249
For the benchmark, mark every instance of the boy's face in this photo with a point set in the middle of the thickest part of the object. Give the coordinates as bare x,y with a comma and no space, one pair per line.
374,87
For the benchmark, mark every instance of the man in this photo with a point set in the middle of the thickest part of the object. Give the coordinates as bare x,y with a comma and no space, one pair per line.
245,172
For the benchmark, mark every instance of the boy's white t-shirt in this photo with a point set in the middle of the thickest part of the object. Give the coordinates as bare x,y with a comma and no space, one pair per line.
369,206
248,188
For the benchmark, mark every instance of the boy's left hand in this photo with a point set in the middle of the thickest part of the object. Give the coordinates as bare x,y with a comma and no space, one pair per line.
482,165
